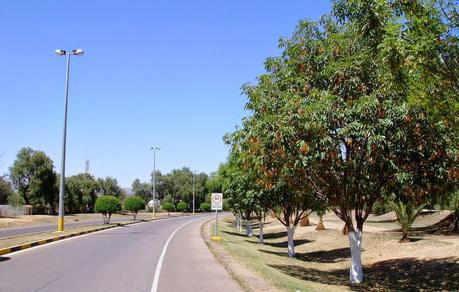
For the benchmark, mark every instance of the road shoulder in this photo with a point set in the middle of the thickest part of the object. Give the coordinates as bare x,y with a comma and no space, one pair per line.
245,277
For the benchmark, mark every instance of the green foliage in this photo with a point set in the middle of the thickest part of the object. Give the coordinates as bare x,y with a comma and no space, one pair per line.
406,211
107,205
109,187
15,200
168,206
168,199
134,204
380,207
33,176
5,190
181,206
80,193
205,207
144,190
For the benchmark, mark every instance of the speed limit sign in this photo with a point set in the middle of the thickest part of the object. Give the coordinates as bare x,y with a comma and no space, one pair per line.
216,201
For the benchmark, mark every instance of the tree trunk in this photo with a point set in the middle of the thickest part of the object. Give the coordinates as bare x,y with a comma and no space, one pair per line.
261,224
249,231
404,237
108,219
237,222
355,244
454,223
135,216
291,243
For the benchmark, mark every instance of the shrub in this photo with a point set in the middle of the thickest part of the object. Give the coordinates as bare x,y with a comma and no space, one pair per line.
168,206
181,206
205,207
406,211
107,205
134,205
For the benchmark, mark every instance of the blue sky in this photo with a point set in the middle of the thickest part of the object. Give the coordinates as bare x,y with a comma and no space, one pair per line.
166,73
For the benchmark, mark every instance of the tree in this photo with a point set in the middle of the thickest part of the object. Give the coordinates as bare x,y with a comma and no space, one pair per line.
144,190
205,207
168,206
33,175
80,193
134,204
107,205
406,211
181,206
5,190
109,187
335,113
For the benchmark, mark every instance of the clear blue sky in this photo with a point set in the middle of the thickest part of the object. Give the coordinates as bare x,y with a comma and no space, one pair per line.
164,73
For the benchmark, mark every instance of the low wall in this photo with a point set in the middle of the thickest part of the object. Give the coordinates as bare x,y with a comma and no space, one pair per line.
11,211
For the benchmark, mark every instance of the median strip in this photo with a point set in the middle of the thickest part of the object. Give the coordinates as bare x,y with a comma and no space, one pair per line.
21,242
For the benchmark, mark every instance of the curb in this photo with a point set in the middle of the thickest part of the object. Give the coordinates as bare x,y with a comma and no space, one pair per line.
23,246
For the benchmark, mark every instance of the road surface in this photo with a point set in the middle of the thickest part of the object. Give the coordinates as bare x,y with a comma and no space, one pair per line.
121,259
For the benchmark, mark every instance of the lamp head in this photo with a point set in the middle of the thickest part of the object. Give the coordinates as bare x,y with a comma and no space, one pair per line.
60,52
77,52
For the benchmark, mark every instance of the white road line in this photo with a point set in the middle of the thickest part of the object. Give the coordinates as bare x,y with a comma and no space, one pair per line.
154,286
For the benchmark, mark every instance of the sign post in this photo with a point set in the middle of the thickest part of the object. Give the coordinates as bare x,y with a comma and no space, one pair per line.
216,204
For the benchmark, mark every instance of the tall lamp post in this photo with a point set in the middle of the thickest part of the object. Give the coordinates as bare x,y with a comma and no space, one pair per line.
75,52
154,148
194,175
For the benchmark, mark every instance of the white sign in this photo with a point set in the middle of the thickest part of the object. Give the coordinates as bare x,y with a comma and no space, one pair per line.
151,203
217,201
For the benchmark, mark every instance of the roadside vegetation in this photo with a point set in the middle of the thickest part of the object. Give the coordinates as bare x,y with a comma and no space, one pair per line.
358,113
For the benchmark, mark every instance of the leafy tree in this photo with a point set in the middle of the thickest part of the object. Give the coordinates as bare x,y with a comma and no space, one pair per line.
33,175
340,114
134,204
107,205
168,199
81,193
181,206
168,206
109,187
5,190
205,207
144,190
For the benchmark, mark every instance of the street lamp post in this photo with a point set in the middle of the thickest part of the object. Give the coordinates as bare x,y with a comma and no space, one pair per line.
76,52
154,148
194,175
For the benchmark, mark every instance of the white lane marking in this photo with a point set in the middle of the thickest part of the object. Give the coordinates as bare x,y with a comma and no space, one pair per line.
154,286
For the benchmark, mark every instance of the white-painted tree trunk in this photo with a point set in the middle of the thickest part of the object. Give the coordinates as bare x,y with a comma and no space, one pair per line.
238,222
248,225
261,224
355,244
290,242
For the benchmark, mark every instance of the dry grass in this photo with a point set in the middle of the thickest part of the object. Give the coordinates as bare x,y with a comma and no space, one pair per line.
429,262
18,240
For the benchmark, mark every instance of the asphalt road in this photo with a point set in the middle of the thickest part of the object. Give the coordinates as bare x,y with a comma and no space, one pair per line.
15,231
121,259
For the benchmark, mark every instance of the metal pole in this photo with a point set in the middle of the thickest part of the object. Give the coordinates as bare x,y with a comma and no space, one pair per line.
154,182
216,222
60,221
194,174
